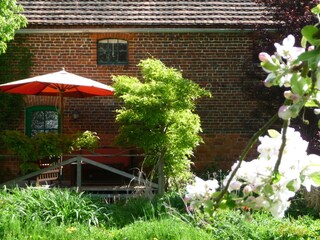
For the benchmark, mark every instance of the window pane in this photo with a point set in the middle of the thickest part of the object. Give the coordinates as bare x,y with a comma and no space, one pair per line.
51,120
37,121
123,57
102,53
41,119
122,47
112,51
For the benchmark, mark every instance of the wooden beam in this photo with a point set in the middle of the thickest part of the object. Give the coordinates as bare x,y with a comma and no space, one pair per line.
79,169
36,173
119,172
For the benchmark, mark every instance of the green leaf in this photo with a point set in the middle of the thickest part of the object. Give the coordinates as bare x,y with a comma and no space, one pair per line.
311,103
231,203
270,66
303,42
319,124
316,9
223,205
268,189
273,133
300,85
306,56
276,178
311,33
208,205
290,186
315,177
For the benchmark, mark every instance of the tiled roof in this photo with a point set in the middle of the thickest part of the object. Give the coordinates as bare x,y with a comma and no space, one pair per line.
190,13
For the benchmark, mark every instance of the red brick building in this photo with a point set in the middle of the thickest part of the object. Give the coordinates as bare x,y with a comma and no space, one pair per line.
210,41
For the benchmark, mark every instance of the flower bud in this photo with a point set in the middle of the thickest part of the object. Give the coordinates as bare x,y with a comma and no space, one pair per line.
264,57
316,111
247,189
284,112
287,95
235,185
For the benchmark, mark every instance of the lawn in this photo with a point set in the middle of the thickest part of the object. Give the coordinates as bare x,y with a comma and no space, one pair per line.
65,214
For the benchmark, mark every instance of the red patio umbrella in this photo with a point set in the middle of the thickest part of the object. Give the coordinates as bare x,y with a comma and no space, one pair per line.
62,84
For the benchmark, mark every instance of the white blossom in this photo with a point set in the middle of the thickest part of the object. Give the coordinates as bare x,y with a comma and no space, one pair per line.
201,188
256,175
287,49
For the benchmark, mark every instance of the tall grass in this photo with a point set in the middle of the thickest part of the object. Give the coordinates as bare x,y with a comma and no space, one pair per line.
49,205
38,230
161,229
64,214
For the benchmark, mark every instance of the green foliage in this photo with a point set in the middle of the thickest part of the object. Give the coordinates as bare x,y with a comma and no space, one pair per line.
45,145
87,140
158,116
50,206
38,230
10,21
235,225
124,213
164,229
63,214
14,65
300,207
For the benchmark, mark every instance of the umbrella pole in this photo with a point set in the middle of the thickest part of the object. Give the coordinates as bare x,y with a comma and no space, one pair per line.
61,132
61,112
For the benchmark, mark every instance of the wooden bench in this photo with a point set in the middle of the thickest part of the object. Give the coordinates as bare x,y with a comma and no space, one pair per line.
48,176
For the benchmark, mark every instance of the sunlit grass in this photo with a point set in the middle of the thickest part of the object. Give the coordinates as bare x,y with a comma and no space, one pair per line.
64,214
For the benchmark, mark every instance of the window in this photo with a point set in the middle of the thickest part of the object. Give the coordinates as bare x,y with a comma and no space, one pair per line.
112,52
41,119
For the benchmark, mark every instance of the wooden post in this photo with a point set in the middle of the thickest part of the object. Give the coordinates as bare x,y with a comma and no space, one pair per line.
79,172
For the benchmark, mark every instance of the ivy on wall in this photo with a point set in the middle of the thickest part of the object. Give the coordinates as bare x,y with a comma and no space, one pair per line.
14,65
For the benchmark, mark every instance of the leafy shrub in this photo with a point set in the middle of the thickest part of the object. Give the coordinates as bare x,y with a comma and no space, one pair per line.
45,146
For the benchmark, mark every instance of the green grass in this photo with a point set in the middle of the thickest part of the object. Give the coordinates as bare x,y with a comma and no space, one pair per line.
63,214
163,228
54,205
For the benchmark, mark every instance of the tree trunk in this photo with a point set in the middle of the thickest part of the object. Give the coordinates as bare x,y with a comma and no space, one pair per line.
161,177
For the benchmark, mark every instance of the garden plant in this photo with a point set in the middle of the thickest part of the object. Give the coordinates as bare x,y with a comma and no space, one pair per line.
215,210
158,116
283,165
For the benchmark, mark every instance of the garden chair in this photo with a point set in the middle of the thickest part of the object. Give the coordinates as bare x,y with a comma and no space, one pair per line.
48,176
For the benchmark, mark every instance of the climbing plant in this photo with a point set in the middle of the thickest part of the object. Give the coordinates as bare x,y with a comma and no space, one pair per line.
14,65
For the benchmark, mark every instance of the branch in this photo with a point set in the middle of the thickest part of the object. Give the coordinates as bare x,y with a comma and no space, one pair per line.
252,141
281,149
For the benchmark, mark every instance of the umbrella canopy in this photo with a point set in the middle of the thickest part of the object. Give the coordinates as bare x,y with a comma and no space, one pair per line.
58,83
62,84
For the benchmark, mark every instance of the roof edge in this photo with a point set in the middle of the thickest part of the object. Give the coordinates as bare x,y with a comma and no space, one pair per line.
134,30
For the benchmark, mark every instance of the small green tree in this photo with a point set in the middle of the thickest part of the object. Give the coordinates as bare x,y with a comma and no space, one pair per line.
158,116
10,21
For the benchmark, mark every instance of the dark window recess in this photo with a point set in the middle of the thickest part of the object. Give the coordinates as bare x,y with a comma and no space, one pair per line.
41,119
112,51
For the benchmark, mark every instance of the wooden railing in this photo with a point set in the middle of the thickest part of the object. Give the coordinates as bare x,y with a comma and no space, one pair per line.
79,160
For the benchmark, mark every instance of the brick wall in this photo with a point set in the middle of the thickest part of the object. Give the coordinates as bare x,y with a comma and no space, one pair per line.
216,61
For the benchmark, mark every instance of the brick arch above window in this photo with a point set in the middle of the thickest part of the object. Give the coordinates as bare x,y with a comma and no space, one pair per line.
112,51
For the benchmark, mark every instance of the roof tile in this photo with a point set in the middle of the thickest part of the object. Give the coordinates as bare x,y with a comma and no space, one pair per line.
141,13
